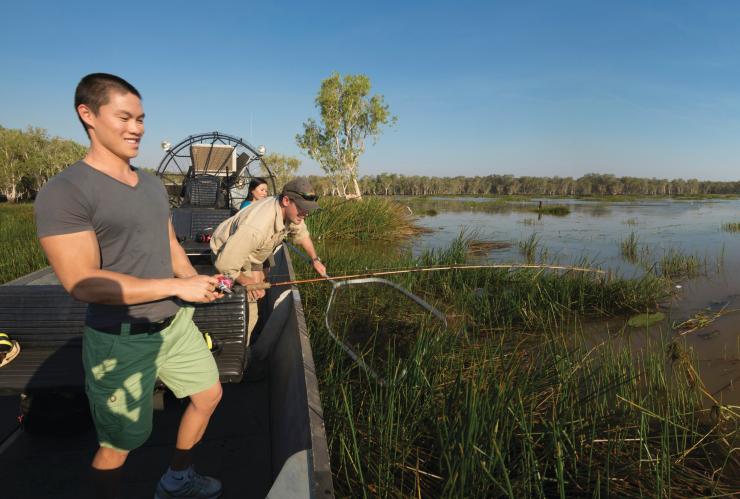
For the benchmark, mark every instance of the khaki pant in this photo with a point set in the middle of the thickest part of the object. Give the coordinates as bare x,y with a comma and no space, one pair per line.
253,314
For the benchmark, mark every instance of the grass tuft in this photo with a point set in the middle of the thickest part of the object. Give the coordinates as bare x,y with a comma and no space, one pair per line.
366,219
19,246
528,247
628,248
677,265
555,209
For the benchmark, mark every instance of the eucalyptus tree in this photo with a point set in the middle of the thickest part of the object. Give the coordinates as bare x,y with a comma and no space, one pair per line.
29,158
282,167
349,117
386,181
12,162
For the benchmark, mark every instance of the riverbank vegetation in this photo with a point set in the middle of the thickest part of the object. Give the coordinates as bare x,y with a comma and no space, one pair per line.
19,247
672,264
424,206
511,399
593,185
28,158
365,219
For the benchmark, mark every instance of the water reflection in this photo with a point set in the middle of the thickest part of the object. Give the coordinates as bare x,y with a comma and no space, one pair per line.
590,229
595,231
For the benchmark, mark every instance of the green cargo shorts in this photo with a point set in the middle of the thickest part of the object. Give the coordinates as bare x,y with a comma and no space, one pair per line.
121,370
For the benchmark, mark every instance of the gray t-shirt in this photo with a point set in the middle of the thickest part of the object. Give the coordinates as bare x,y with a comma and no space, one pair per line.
131,224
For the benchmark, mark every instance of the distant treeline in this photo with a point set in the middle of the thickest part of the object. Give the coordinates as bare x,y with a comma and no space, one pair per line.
28,158
592,184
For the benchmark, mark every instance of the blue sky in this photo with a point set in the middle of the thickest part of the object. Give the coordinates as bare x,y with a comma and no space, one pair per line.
525,88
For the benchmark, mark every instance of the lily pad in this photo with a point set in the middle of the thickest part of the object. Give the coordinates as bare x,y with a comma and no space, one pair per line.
645,320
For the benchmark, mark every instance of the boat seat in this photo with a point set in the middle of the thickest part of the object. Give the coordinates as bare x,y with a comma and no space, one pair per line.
48,323
188,222
202,191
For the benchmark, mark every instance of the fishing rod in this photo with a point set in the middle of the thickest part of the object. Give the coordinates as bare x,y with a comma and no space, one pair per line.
338,282
433,268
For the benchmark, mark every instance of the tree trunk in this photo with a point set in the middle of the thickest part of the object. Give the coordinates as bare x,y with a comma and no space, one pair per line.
358,192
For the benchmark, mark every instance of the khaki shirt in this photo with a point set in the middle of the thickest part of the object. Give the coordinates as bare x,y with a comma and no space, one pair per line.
243,242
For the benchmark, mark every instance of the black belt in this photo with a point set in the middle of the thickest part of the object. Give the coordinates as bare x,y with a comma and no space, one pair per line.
138,327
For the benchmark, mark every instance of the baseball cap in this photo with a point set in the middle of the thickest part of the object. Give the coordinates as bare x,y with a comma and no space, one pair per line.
300,191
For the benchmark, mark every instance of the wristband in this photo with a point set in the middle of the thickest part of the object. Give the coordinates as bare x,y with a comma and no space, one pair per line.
317,259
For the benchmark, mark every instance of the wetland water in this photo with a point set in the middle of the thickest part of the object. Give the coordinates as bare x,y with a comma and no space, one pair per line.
593,231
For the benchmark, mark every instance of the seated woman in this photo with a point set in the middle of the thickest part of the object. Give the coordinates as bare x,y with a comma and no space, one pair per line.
257,190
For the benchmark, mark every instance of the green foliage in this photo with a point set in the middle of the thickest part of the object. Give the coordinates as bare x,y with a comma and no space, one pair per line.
528,247
19,246
556,210
596,187
366,219
645,320
674,264
282,167
628,248
511,400
349,116
29,158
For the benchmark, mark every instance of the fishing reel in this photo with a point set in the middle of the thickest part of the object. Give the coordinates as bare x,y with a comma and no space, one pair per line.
224,285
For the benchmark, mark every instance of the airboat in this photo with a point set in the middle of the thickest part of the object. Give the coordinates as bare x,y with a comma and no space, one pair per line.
267,437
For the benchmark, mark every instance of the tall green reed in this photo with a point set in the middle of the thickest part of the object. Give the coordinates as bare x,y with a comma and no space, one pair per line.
512,400
628,248
366,219
20,249
528,247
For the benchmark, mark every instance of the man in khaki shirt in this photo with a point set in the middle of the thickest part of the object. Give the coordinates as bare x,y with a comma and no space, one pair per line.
243,242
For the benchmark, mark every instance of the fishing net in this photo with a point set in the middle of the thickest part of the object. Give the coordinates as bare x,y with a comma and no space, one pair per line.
377,323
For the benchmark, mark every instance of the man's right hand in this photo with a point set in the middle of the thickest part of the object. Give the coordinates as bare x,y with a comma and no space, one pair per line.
197,289
255,294
256,277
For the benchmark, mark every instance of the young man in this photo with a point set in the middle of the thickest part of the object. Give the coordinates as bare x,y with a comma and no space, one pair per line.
243,242
105,229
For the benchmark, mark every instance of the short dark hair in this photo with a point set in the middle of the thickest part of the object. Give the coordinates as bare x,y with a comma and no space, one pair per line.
253,184
94,91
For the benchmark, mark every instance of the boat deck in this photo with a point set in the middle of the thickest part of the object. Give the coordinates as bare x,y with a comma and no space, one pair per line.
235,449
265,438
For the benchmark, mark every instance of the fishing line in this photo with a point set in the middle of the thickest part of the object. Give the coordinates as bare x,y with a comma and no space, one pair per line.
433,268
